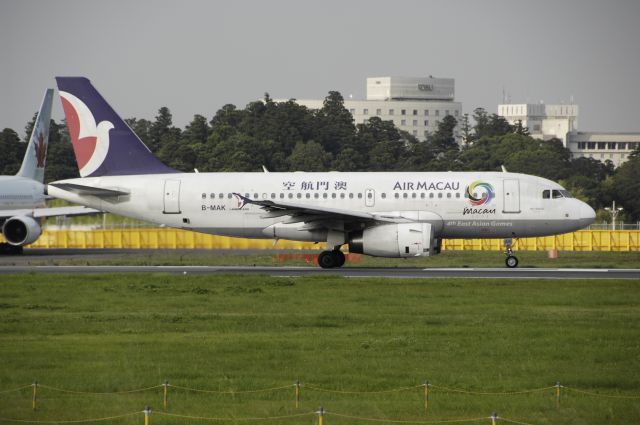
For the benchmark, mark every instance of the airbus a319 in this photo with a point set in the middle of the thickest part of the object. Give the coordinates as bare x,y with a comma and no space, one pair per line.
386,214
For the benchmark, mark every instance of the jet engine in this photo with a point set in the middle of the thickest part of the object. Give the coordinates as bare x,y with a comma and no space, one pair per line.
395,240
20,231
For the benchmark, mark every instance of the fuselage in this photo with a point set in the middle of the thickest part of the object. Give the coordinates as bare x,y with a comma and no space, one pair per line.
20,192
457,204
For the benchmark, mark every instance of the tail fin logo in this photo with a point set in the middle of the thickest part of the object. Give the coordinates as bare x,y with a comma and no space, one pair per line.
41,150
90,139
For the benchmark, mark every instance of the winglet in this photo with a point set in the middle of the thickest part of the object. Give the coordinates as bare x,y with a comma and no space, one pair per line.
36,154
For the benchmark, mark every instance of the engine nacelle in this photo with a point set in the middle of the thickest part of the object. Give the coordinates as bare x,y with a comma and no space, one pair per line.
19,231
295,232
395,240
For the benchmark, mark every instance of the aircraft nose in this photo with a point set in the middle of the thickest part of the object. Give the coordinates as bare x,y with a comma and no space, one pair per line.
587,214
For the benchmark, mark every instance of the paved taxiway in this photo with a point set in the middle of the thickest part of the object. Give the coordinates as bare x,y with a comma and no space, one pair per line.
520,273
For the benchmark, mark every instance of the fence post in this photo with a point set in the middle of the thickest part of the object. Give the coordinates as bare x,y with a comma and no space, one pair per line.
494,418
558,386
35,394
147,414
320,416
426,396
297,393
165,398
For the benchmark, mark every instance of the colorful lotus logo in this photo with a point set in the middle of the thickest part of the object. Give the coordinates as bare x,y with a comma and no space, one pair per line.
485,191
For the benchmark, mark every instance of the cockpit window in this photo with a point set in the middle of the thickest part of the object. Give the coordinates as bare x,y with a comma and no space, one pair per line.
566,193
556,194
546,194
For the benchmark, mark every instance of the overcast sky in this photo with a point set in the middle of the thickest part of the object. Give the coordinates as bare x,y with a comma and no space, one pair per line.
195,56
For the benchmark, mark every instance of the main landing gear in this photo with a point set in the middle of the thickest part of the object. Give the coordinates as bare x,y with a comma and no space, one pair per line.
8,249
331,259
511,261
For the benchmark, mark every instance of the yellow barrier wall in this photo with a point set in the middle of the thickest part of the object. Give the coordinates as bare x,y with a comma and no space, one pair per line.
165,238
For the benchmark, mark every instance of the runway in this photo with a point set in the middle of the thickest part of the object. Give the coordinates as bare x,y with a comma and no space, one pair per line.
353,272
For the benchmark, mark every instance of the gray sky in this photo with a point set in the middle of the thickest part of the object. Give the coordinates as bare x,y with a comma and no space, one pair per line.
195,56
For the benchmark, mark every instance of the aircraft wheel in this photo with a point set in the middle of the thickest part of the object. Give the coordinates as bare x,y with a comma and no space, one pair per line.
339,258
511,261
327,260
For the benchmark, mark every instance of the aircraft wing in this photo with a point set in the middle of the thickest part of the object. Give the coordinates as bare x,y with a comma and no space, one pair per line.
314,213
49,212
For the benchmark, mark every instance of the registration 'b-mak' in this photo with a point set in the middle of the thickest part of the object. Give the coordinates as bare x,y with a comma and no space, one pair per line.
386,214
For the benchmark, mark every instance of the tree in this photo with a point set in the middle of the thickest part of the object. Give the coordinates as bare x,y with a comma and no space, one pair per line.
626,186
161,126
443,140
12,151
309,156
334,124
61,161
466,129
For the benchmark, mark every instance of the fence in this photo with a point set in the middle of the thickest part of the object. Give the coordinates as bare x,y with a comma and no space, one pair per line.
426,389
166,238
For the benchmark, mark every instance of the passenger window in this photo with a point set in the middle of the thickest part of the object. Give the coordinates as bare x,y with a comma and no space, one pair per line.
448,195
273,196
351,196
422,195
342,196
282,196
359,195
291,195
255,195
383,195
405,196
299,195
431,195
221,195
397,195
439,195
333,196
308,195
369,195
556,194
413,195
457,195
546,194
324,195
316,195
229,195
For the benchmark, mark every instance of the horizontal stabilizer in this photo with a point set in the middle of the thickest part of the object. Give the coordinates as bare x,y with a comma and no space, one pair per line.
89,190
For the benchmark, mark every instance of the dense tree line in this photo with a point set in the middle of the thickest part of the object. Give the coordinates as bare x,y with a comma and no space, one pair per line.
285,136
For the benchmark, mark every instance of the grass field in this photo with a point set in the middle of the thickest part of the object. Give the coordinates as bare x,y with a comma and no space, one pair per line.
446,259
107,333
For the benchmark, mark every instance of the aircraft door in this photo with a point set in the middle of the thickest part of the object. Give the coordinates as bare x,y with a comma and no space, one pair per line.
511,196
369,197
171,197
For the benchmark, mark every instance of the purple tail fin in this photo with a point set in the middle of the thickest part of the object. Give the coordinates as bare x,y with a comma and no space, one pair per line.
103,143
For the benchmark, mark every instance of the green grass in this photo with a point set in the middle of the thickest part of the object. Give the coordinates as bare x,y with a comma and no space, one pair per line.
446,259
117,332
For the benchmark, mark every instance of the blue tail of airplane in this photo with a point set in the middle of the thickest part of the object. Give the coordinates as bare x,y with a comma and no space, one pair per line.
103,143
36,155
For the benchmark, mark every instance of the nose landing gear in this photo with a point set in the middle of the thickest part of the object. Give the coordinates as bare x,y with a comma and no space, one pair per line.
511,261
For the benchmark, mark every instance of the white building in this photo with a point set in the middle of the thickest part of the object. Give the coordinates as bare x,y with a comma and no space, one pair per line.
561,121
615,147
415,105
543,121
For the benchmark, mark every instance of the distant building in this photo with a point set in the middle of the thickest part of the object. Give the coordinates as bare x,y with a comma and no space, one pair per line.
543,121
415,105
561,121
615,147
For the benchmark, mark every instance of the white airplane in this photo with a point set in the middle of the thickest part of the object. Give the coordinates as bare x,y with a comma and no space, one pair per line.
387,214
22,194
